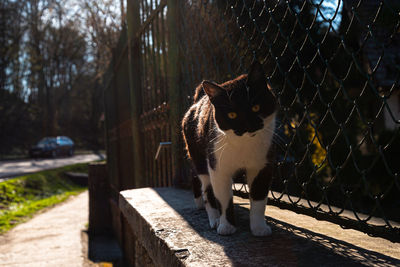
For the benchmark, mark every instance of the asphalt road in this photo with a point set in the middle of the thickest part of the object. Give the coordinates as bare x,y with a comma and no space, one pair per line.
9,169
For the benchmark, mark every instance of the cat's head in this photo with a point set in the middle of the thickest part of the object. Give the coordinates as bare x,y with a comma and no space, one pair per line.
244,104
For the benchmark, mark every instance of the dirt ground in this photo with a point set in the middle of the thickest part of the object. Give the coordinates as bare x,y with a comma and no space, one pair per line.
51,238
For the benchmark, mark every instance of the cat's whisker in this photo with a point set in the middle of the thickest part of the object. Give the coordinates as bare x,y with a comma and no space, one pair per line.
275,134
219,148
222,152
215,138
219,141
280,142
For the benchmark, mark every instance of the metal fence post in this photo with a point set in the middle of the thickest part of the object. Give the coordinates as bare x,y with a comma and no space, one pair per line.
99,194
133,25
175,103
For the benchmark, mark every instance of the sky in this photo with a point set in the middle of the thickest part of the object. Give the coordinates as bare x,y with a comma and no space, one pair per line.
328,10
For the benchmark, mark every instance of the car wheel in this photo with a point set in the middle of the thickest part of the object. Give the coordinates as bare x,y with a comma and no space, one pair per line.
54,153
71,152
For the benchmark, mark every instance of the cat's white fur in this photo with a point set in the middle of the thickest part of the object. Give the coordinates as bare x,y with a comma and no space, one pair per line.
233,152
213,214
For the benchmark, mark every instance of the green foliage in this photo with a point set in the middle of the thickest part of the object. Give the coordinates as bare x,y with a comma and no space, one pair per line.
22,212
21,197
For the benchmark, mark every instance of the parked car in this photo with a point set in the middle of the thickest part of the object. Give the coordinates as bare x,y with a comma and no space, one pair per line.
53,147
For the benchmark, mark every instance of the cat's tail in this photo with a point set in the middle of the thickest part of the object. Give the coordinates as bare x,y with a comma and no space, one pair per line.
199,93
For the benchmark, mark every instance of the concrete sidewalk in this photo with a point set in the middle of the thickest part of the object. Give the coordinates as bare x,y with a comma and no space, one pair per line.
52,238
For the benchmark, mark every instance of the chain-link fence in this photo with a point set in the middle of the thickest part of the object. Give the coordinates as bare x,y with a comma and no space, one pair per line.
334,67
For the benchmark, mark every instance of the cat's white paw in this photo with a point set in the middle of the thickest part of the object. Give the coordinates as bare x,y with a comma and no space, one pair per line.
199,203
260,229
214,222
226,229
213,217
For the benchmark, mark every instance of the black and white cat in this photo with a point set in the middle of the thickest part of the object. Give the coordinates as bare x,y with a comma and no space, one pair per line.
228,130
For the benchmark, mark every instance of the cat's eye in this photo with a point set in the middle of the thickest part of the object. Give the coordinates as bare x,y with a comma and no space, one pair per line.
255,108
232,115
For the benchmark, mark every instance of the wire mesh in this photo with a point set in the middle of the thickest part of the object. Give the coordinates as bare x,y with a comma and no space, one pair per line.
334,66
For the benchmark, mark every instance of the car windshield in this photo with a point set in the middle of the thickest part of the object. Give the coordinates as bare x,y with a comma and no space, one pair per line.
46,141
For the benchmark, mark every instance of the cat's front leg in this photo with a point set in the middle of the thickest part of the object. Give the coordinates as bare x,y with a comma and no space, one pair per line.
197,192
259,183
209,201
222,186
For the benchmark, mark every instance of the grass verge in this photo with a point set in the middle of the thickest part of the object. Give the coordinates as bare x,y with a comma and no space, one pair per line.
23,196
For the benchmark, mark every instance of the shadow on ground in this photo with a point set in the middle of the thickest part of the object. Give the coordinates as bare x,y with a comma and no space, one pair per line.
287,246
102,248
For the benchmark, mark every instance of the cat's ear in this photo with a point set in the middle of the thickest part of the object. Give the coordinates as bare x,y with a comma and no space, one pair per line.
256,77
211,89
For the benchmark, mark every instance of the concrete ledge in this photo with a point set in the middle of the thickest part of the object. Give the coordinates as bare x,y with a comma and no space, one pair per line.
173,233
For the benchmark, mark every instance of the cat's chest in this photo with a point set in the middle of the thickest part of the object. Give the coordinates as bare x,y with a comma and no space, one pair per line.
243,152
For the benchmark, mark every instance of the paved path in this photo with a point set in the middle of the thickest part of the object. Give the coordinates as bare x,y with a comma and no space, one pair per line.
19,167
52,238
